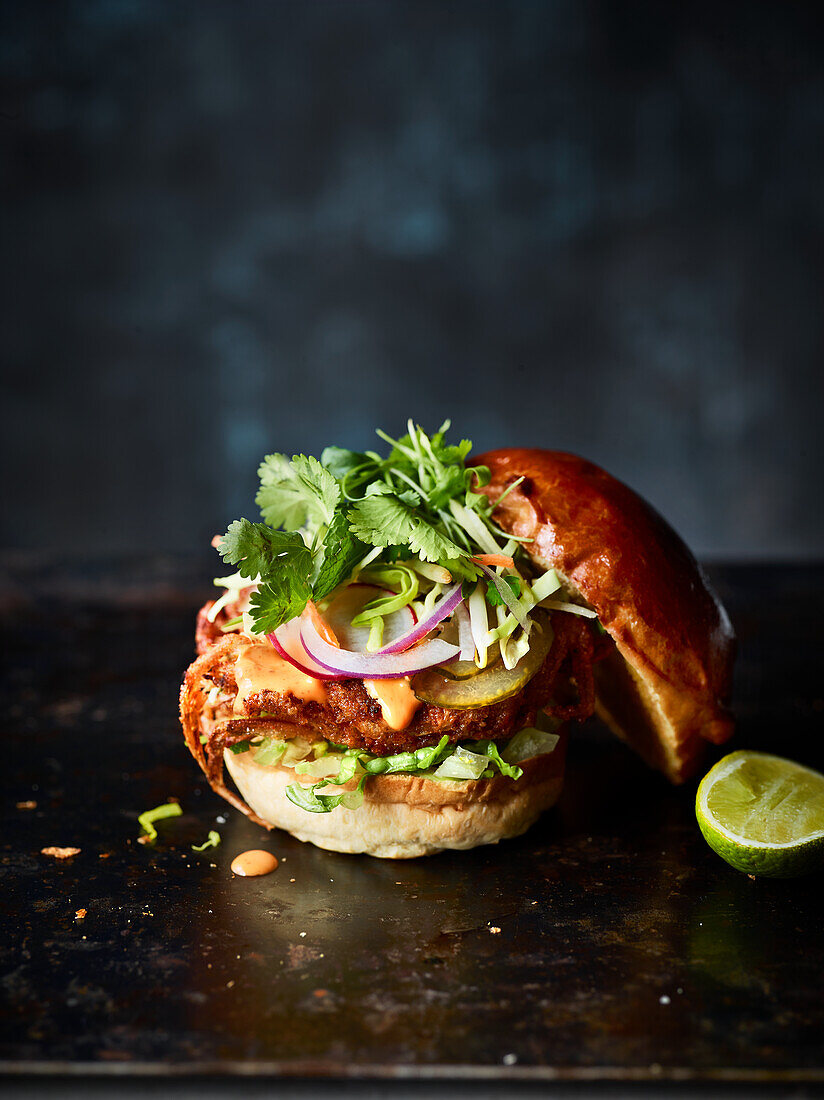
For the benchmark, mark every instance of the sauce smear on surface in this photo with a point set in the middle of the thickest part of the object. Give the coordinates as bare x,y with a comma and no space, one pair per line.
261,668
253,863
397,700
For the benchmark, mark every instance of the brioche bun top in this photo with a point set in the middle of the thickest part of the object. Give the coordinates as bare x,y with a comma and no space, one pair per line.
666,688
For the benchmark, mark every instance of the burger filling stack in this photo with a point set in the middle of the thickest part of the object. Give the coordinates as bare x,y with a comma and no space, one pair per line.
406,639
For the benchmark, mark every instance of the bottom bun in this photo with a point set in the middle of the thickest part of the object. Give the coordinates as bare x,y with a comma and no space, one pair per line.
403,816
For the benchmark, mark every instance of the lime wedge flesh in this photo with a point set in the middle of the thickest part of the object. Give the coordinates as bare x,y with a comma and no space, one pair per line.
764,815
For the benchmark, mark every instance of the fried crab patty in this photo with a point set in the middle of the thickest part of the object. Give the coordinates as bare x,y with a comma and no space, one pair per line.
351,717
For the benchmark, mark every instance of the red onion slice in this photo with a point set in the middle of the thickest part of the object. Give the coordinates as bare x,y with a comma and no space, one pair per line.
286,640
348,604
444,607
373,666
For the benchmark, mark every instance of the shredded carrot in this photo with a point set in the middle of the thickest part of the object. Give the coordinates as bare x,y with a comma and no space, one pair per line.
494,559
320,624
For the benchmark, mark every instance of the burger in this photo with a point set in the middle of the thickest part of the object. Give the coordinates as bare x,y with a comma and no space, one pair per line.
395,664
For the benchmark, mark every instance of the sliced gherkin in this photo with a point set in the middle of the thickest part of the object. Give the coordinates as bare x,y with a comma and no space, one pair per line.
490,685
461,670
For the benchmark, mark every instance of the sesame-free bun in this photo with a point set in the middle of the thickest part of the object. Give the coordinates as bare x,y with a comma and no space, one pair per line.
665,687
403,815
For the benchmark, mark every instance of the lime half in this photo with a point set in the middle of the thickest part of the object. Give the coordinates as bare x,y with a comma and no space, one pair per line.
764,815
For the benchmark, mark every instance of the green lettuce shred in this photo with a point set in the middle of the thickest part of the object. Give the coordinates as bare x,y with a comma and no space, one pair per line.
211,841
147,819
444,761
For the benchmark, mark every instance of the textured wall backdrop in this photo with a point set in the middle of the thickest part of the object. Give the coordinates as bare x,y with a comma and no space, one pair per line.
229,228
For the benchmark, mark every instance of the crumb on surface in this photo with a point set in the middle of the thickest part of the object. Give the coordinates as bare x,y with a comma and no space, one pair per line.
60,853
494,929
80,914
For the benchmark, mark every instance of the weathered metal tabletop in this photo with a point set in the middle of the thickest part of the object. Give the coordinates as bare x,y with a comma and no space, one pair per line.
608,943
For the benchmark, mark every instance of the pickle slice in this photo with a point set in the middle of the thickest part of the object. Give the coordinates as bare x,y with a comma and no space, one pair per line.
491,685
460,670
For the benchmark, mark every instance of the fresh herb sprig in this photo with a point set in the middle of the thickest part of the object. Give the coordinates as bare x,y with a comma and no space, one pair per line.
321,518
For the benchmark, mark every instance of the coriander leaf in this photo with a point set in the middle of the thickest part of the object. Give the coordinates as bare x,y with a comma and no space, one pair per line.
341,552
441,452
477,502
410,497
382,520
279,599
321,483
396,553
378,489
450,484
493,597
431,545
281,498
386,521
294,493
339,462
256,549
482,475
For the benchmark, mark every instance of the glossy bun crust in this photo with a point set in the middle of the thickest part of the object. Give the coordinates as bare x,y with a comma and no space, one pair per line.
665,688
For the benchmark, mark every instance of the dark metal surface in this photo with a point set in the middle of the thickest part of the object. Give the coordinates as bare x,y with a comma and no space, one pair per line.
626,948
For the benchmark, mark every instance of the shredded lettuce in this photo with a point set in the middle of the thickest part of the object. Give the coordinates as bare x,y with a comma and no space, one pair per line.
274,750
307,798
545,585
403,584
233,585
529,742
211,841
147,819
337,765
490,750
462,764
269,752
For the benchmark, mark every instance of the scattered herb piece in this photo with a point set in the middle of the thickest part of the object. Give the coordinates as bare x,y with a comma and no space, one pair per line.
211,841
492,597
147,819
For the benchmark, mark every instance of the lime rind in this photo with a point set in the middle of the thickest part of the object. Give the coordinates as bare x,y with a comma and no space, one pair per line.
763,814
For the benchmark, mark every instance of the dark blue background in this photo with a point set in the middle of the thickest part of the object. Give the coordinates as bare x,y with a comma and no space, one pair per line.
235,227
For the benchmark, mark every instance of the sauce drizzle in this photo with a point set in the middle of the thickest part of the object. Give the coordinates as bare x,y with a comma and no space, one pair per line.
253,863
259,668
397,700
